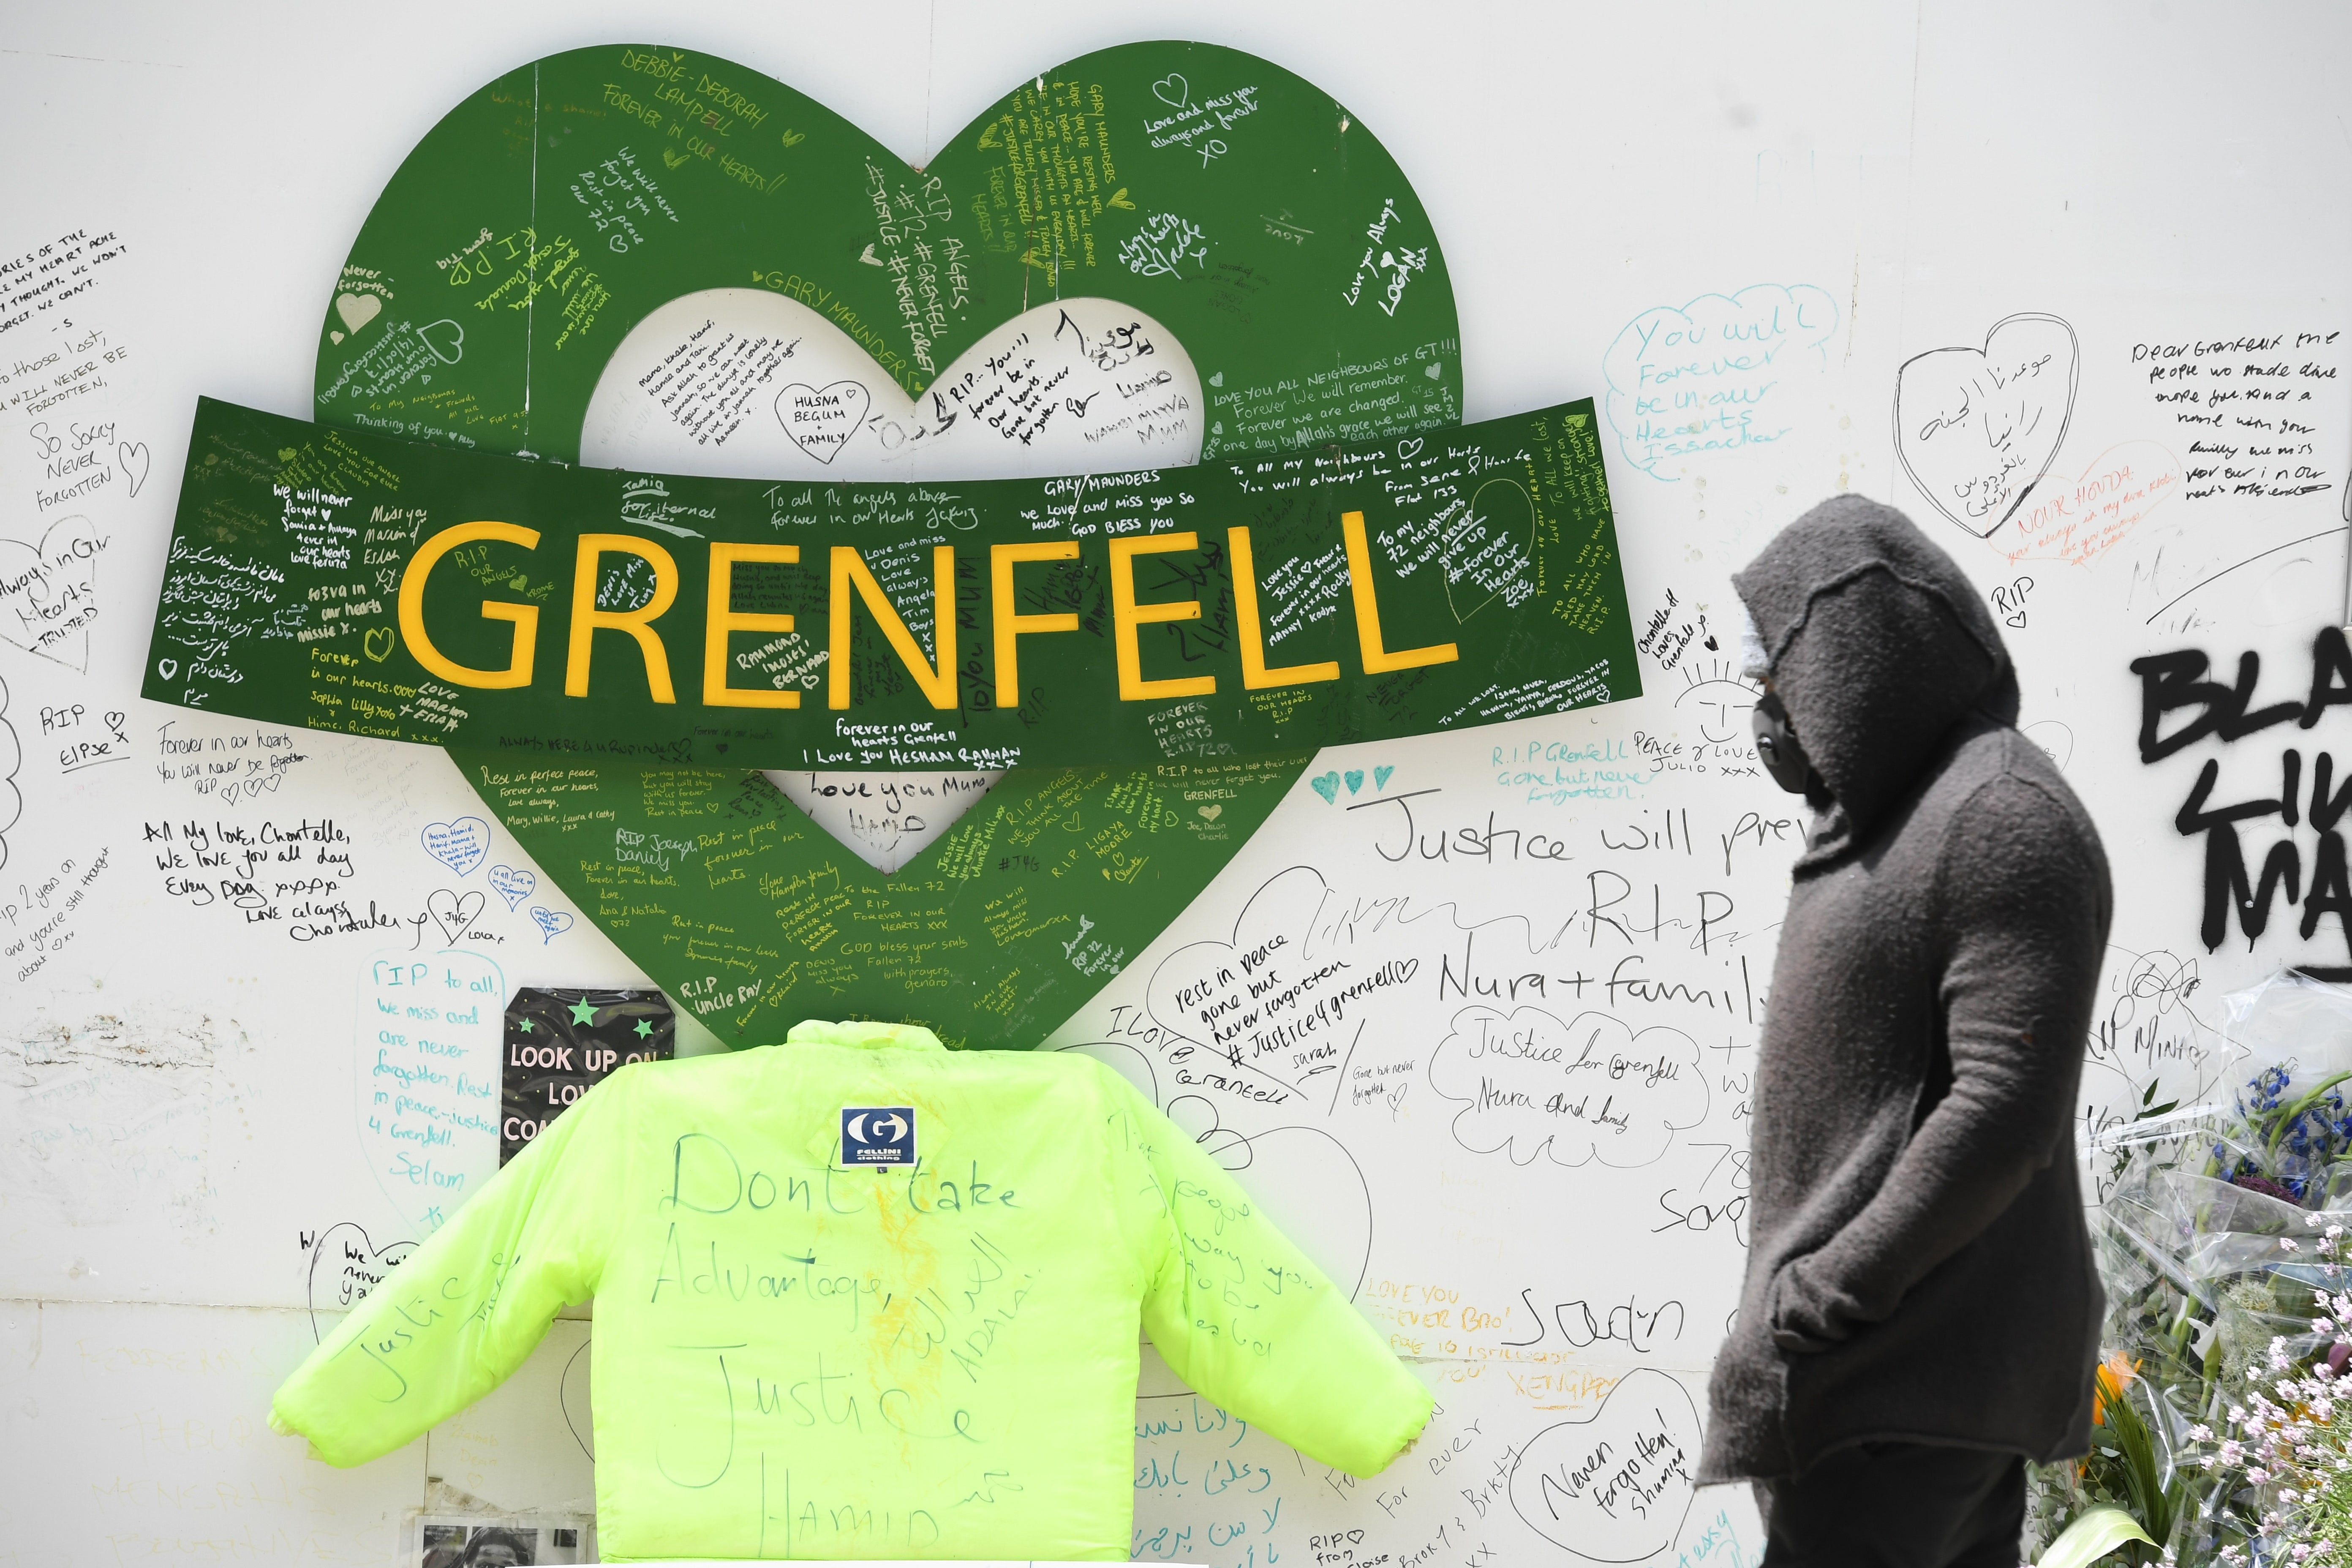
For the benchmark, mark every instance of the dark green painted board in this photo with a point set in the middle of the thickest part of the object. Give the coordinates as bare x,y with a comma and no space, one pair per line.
288,595
550,213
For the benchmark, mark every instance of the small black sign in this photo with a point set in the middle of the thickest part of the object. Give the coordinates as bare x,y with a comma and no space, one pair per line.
877,1134
560,1044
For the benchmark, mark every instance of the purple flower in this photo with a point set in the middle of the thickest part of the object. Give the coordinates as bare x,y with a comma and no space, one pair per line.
2337,1354
2266,1187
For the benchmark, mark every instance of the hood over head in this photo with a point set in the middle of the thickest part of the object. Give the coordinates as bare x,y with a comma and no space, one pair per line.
1877,645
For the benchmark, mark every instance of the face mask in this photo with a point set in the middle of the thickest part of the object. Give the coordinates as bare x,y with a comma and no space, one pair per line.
1777,747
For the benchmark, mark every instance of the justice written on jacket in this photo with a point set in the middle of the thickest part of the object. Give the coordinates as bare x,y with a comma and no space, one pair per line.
942,1354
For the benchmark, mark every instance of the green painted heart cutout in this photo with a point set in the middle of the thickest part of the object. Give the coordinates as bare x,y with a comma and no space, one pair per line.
627,255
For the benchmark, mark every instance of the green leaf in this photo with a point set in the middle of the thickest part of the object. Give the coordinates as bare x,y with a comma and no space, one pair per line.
2098,1532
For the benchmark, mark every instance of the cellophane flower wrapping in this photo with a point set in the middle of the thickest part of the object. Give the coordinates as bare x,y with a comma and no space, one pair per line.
2221,1240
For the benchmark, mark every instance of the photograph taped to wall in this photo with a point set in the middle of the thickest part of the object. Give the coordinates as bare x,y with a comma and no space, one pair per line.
516,1540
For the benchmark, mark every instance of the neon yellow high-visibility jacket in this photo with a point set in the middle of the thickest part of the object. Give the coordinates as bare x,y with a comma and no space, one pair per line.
793,1358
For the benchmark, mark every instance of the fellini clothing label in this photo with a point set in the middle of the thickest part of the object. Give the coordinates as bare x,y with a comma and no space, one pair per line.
355,582
877,1135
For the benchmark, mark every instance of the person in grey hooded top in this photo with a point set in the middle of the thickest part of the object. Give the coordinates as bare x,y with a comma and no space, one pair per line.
1920,1294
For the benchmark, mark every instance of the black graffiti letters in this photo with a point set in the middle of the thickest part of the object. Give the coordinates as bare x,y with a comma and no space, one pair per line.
2171,682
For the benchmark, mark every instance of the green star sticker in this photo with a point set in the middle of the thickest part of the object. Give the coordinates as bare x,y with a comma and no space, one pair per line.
644,1030
582,1013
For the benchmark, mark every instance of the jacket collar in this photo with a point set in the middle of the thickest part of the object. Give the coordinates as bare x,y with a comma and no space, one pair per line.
867,1037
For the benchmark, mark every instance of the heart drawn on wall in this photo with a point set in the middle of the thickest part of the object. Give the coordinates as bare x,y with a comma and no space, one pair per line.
458,845
1977,428
820,419
452,913
48,591
512,885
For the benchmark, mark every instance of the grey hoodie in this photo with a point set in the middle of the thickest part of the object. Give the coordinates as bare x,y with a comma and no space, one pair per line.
1918,1268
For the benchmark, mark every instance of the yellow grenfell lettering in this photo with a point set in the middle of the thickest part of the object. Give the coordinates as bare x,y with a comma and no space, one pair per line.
1377,660
1255,676
587,619
720,619
1126,616
938,685
524,616
1011,624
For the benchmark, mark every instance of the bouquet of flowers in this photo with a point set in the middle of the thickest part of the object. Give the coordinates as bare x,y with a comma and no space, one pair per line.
2228,1312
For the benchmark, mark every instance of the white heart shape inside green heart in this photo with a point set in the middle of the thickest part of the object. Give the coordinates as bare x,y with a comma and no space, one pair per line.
357,310
700,386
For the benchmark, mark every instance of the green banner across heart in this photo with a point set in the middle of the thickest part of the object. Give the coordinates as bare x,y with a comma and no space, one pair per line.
355,584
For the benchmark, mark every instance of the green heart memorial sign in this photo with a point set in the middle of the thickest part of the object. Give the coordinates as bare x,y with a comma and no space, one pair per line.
671,429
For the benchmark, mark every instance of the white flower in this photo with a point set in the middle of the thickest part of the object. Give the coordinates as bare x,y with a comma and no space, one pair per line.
2288,1244
2200,1432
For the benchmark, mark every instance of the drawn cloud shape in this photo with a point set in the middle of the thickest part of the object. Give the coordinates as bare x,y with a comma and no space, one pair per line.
1588,1089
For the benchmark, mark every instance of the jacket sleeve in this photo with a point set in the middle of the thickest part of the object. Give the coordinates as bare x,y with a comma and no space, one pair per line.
1241,1315
456,1318
2023,903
